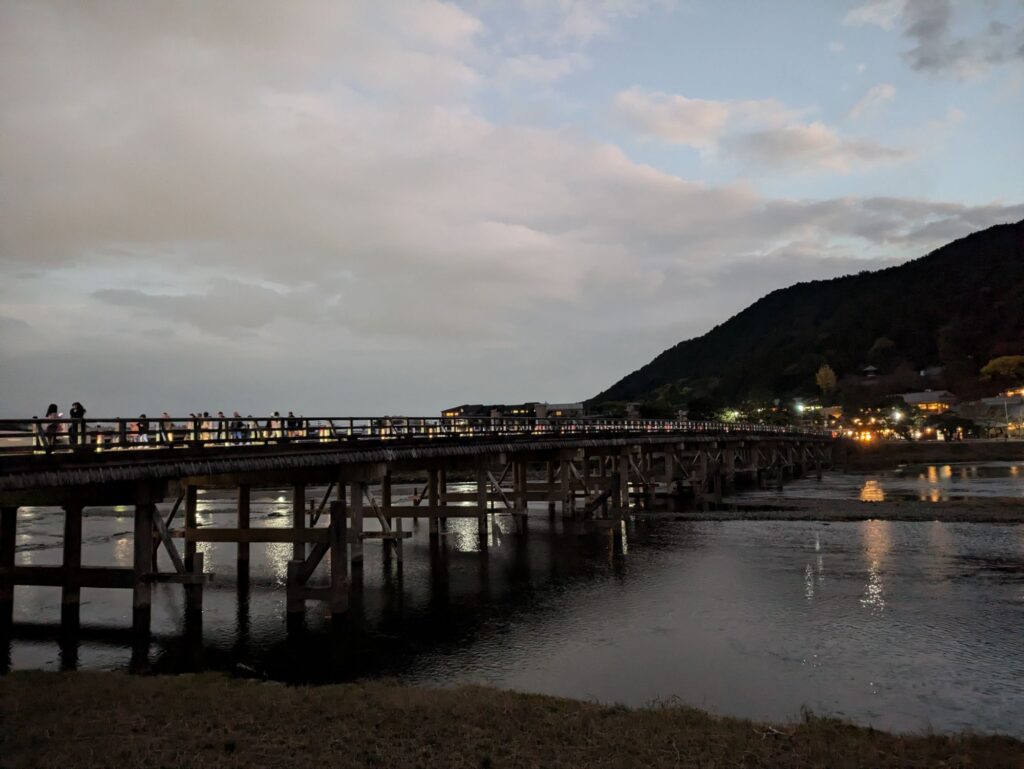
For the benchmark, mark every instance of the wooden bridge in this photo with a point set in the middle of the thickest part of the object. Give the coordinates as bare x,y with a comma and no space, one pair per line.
593,472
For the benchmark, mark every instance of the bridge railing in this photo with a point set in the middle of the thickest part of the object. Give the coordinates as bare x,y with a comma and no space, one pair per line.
24,436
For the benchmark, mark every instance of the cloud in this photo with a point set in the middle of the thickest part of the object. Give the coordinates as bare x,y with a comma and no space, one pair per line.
313,208
964,44
576,23
224,309
812,146
538,68
881,13
836,46
699,123
876,96
761,134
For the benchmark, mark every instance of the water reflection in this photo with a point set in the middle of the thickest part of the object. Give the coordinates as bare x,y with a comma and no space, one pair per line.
916,625
814,576
872,491
877,541
926,483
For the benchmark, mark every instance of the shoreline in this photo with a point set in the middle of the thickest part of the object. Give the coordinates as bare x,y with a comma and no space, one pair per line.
889,455
1007,510
115,719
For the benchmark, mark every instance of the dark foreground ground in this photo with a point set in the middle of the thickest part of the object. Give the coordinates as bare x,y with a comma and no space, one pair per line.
115,720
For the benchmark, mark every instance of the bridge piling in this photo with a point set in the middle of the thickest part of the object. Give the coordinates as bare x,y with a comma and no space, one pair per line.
481,503
8,538
142,588
71,592
242,554
356,516
298,519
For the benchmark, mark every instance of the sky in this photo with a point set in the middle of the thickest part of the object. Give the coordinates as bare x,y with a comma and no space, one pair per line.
364,208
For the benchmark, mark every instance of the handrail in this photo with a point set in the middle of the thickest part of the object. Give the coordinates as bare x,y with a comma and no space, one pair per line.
61,434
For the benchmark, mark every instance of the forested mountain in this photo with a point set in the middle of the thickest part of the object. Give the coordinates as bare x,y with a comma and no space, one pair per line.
957,307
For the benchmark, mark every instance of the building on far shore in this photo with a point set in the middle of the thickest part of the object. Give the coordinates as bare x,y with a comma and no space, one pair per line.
531,409
930,401
559,410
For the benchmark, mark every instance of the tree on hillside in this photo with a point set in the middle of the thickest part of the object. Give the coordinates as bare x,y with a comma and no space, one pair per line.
1009,368
883,353
826,379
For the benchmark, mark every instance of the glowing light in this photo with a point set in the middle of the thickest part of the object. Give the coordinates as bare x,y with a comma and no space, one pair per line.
872,491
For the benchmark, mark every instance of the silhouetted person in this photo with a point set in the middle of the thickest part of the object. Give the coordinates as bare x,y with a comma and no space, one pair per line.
142,429
53,414
237,426
77,428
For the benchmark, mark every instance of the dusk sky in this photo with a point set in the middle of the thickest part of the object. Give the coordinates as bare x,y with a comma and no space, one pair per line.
393,207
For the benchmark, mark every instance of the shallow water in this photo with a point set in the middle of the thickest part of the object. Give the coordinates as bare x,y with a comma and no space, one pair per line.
900,625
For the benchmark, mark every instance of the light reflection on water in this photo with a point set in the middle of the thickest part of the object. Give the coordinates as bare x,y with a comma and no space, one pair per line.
926,483
916,625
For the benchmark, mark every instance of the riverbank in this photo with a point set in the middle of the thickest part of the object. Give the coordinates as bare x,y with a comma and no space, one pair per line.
885,455
111,719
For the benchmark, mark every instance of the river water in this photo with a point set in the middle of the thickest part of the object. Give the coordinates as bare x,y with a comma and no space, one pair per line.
903,626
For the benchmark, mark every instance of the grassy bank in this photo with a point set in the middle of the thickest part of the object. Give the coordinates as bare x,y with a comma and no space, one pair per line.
111,719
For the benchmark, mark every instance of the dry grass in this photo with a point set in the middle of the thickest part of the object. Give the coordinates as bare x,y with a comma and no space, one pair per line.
116,720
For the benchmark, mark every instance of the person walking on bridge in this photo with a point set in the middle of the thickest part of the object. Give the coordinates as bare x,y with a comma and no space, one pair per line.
77,428
55,426
237,427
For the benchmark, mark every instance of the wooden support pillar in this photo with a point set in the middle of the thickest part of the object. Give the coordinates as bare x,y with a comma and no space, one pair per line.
817,461
298,518
8,537
193,560
339,561
356,514
729,469
481,504
142,588
702,469
521,498
191,504
549,477
71,593
391,545
433,501
295,604
670,468
564,490
602,469
243,523
624,481
442,491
